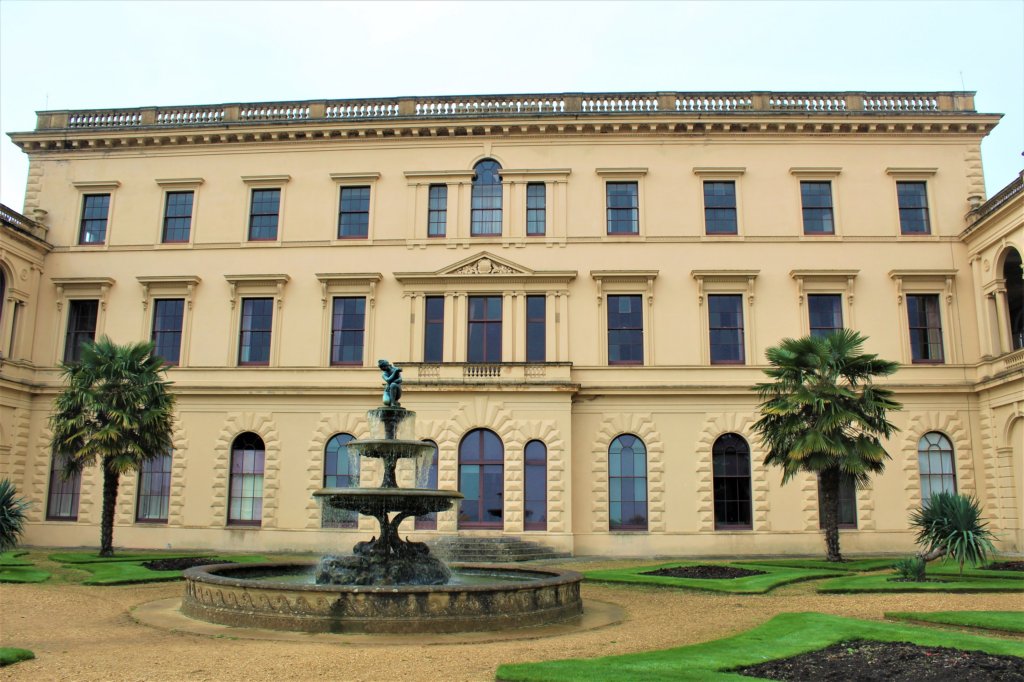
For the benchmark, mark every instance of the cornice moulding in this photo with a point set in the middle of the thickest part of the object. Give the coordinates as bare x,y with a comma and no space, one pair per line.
169,279
96,184
355,177
179,182
265,179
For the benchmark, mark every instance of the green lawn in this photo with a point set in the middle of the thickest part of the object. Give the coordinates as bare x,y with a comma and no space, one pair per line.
93,557
1007,621
9,655
755,584
788,634
940,568
950,583
16,557
129,572
22,574
854,565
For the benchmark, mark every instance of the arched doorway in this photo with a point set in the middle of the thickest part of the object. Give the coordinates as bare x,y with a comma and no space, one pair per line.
482,480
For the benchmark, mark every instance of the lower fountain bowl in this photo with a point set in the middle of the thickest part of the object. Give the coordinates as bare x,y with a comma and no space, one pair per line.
276,596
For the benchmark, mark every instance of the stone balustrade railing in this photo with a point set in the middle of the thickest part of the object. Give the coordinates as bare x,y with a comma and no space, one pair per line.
427,108
468,372
10,217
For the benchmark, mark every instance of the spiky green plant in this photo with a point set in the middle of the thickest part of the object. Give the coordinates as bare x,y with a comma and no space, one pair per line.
116,409
911,568
12,515
950,526
822,414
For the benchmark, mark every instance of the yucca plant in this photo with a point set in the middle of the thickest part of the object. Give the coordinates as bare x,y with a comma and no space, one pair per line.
12,515
950,525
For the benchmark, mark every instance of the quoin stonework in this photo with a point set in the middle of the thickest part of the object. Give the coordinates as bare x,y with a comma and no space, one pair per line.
579,289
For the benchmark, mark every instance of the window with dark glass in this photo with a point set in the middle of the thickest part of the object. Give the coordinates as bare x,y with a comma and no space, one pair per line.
625,330
433,329
536,328
347,329
245,495
825,312
847,503
93,229
264,213
257,322
340,471
1013,275
535,495
437,211
536,209
935,460
154,489
167,322
81,327
627,484
925,327
485,216
428,479
816,198
725,325
623,207
481,480
354,217
720,207
62,497
913,202
484,329
731,464
178,216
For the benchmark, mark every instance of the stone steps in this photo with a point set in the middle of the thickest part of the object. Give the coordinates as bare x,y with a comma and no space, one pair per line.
493,550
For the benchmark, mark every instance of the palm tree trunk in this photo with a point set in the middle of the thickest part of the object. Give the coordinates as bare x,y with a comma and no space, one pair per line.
111,479
830,513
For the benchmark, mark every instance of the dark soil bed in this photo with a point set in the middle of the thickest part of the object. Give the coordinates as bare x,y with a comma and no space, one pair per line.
179,564
705,572
866,661
1006,566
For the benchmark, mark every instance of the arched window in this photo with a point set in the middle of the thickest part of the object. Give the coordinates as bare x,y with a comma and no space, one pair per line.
731,463
627,483
154,489
535,499
62,500
340,471
486,210
245,496
935,459
1014,278
481,480
428,480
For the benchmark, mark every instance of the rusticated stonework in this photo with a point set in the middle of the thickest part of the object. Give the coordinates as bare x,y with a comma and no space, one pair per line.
17,456
547,432
714,426
950,425
330,425
127,494
40,476
643,427
262,424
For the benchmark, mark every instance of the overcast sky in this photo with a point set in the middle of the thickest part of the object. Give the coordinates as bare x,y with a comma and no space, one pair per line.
81,55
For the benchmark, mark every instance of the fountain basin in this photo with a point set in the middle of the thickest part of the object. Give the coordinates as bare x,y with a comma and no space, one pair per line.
260,595
376,501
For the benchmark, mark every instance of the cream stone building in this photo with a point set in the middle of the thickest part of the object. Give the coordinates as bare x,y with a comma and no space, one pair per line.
579,288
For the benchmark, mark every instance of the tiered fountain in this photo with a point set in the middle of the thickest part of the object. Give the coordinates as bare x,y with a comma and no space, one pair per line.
387,584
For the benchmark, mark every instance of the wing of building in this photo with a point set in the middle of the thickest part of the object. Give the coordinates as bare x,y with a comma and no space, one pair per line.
580,290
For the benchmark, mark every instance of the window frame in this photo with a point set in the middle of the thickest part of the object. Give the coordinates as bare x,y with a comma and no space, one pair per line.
617,176
168,195
179,331
481,461
930,477
435,325
926,297
347,285
845,484
441,213
623,526
248,287
252,214
335,331
819,174
532,323
169,287
165,499
820,210
736,298
73,289
170,186
838,297
75,483
255,183
620,283
487,324
82,232
344,181
715,282
608,318
921,175
268,301
500,184
353,480
825,281
724,525
71,353
938,282
926,209
733,174
542,210
240,522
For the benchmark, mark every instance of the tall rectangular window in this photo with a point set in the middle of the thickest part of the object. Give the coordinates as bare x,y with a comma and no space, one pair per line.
264,214
913,202
347,329
154,489
81,327
725,323
177,217
93,229
62,498
825,312
625,330
623,207
257,323
816,198
484,329
354,216
167,317
433,329
536,328
720,207
437,211
536,209
925,328
847,503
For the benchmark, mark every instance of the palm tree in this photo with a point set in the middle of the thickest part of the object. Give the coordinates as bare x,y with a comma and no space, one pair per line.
116,408
821,413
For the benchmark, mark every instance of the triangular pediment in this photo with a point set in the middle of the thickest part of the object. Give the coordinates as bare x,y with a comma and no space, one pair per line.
484,269
483,264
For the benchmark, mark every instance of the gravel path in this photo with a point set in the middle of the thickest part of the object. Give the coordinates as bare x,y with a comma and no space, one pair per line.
85,633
